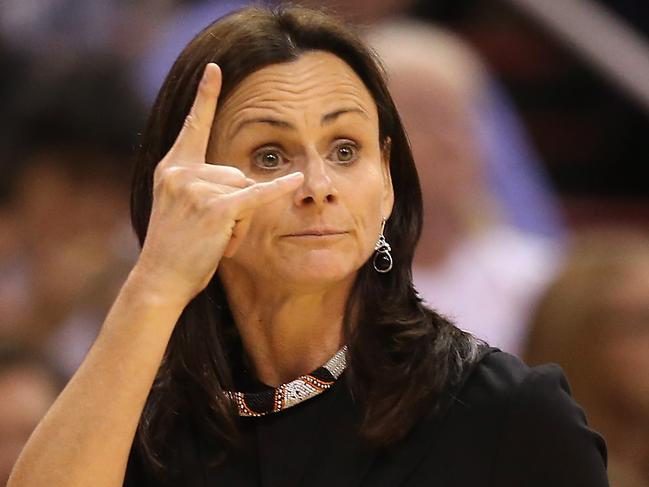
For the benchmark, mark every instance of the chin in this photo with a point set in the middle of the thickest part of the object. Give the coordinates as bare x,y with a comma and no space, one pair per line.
320,269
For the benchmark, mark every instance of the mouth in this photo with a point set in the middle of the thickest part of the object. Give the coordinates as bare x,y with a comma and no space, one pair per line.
317,232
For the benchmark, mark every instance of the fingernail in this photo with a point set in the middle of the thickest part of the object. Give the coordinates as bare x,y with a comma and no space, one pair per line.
295,175
206,72
250,181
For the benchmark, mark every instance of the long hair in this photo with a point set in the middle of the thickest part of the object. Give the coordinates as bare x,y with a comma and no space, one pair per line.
404,358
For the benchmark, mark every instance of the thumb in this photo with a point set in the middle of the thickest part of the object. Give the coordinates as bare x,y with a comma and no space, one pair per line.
239,232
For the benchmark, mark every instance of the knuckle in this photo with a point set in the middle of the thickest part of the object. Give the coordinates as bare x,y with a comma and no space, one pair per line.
160,176
169,178
191,121
235,171
158,172
195,198
256,190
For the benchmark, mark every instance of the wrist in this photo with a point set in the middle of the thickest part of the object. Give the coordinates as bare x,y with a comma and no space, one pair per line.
158,290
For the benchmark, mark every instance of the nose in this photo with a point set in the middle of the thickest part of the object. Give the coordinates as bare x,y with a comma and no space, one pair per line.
318,187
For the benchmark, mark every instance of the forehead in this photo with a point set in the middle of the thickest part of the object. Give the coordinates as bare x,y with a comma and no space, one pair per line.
316,82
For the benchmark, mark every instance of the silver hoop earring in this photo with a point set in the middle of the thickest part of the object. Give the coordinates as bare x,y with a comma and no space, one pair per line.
382,260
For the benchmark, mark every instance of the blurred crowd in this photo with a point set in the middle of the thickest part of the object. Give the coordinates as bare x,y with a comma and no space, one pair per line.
496,256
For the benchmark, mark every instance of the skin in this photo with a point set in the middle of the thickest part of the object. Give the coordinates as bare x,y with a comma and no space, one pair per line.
230,217
289,279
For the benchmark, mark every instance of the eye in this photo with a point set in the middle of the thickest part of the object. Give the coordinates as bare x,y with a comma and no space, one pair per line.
344,152
268,158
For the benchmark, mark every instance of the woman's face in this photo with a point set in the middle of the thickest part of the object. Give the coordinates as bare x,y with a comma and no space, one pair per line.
313,115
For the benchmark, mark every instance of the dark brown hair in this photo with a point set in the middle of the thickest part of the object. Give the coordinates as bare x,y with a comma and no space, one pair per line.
404,358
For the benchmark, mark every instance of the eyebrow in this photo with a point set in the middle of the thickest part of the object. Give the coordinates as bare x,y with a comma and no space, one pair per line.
326,119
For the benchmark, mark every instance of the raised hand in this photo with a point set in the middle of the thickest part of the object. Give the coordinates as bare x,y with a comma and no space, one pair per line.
200,211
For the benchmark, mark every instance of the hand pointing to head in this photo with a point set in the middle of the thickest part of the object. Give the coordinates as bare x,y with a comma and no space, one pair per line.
200,211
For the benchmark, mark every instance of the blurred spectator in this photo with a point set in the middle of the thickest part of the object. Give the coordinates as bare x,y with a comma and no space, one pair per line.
363,12
56,33
67,208
28,386
172,35
472,263
514,171
594,322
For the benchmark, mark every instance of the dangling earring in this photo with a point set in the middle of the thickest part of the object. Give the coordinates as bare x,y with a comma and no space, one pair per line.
382,260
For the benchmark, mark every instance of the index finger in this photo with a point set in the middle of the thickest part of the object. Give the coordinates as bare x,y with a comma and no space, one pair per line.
261,193
191,144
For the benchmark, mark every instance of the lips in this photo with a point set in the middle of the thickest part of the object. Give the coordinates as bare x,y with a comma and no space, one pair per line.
317,232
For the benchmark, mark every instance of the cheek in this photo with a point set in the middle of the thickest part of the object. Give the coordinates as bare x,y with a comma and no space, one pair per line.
265,222
257,235
358,208
364,202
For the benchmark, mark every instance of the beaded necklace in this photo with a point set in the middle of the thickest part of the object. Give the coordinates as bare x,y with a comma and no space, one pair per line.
273,400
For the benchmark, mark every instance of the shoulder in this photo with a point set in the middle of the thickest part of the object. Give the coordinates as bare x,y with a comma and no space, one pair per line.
498,376
501,384
503,387
522,426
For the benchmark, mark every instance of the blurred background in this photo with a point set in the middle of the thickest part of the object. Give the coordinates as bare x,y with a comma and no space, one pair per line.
529,122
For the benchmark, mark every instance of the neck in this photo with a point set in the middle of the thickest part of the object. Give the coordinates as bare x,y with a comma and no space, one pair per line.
286,332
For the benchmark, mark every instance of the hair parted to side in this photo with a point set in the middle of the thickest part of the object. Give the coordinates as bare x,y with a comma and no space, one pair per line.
404,358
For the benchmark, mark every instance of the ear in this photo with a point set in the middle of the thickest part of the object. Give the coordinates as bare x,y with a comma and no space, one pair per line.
387,201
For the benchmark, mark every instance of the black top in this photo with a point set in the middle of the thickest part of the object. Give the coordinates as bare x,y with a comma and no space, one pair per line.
509,426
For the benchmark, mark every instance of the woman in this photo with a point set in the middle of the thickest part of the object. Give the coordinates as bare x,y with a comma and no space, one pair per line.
288,256
605,276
